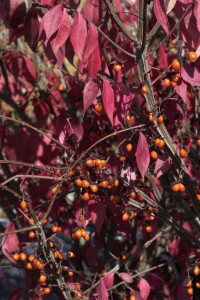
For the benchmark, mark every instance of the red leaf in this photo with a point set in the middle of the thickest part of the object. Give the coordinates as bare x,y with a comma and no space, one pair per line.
51,21
97,212
160,13
109,280
125,277
91,42
108,99
162,165
181,89
50,2
31,27
89,94
13,12
171,5
10,242
20,66
63,32
94,62
78,35
197,13
144,288
91,10
102,291
142,157
190,74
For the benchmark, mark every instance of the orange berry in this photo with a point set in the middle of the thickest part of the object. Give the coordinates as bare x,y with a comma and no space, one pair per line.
47,290
129,147
90,162
104,184
198,142
70,274
173,84
78,182
131,215
144,89
31,234
197,285
85,196
29,266
54,189
188,283
98,108
42,278
124,257
183,153
15,256
23,256
70,173
117,67
70,254
51,244
160,120
57,172
31,257
125,217
181,188
154,155
173,42
161,144
61,87
198,197
166,82
83,232
114,198
151,217
54,228
175,187
94,188
78,233
190,291
151,117
97,162
192,56
176,64
40,265
85,184
157,142
175,78
148,229
196,271
60,229
31,221
132,297
122,158
86,237
132,195
23,204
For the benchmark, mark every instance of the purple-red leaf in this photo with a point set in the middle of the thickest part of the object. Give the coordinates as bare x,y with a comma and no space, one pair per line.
197,13
94,62
13,12
142,157
171,5
91,42
144,288
190,74
97,212
89,94
63,32
10,242
51,21
31,27
102,291
162,165
125,277
78,35
160,13
108,99
109,280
